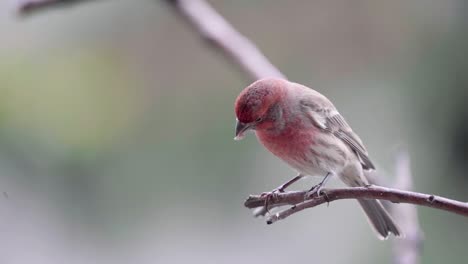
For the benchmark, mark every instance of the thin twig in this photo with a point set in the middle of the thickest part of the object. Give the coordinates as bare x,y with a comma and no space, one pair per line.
408,249
217,31
299,201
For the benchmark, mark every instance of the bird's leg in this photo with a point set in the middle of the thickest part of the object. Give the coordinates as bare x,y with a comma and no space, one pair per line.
318,187
285,185
279,189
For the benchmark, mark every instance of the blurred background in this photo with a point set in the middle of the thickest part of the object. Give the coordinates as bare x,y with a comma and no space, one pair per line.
116,127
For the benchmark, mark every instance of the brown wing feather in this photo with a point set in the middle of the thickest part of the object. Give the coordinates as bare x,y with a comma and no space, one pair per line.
330,120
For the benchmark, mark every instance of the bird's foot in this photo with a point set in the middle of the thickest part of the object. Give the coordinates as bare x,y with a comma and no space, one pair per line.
315,190
269,195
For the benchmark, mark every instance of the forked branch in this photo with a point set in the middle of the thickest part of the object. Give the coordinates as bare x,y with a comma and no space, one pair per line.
299,201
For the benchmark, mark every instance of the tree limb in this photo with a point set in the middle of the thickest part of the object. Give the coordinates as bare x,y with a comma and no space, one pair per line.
207,22
217,31
300,202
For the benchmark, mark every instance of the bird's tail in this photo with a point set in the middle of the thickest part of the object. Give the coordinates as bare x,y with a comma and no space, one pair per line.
379,219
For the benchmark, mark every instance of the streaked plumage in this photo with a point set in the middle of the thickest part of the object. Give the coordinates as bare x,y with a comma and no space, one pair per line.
303,128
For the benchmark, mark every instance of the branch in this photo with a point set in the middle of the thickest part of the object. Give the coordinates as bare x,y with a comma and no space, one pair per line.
26,7
408,249
217,31
207,22
297,199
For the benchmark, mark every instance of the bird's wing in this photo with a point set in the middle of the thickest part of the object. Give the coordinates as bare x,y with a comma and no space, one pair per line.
324,115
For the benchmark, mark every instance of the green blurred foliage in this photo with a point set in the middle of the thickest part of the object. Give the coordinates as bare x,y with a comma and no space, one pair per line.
78,101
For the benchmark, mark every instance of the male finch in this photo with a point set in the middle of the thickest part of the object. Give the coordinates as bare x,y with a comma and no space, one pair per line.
303,128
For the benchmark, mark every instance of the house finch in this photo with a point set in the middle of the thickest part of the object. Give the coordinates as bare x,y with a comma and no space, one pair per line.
303,128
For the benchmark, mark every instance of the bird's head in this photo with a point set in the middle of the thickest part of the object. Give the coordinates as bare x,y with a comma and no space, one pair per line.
257,106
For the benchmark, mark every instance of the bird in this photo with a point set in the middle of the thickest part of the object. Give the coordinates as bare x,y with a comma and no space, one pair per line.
303,128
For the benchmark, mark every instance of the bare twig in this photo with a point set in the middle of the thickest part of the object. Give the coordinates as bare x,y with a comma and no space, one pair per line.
26,7
299,202
217,31
406,250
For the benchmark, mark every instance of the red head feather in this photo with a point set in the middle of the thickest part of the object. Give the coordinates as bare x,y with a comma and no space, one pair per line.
255,100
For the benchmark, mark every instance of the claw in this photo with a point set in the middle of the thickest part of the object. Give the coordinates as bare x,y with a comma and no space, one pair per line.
325,196
280,189
268,196
317,189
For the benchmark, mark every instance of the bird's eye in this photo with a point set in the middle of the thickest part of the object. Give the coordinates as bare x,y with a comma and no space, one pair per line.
258,119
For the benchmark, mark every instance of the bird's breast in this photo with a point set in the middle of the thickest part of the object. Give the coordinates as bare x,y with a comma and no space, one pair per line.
293,142
305,148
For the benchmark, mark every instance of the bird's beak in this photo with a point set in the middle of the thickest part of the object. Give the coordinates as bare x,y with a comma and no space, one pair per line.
241,128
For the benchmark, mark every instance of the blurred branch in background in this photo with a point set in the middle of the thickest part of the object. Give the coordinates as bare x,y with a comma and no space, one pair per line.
217,31
212,27
406,250
26,7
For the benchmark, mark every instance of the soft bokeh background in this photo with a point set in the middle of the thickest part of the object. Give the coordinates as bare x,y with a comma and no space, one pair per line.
116,127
